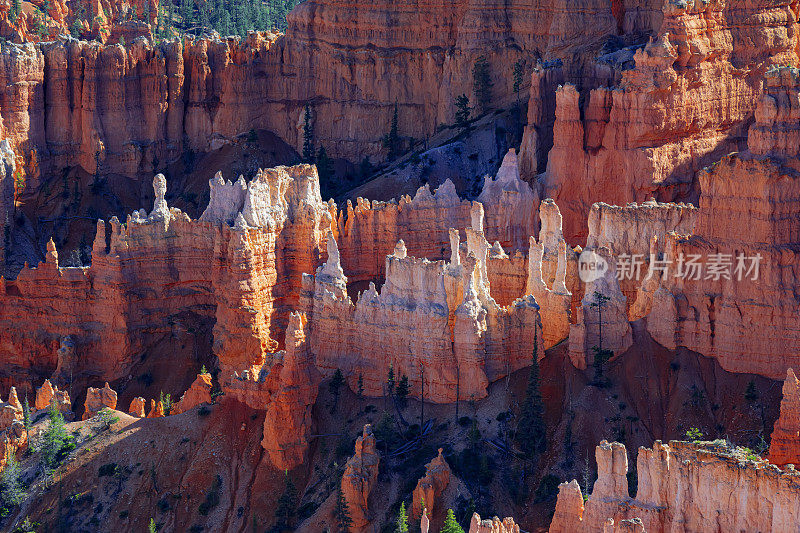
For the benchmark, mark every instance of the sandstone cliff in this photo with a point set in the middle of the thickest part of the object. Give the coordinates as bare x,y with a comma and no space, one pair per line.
737,492
359,478
743,288
784,446
682,105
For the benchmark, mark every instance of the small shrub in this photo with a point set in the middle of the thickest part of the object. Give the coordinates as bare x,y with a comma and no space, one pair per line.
212,497
108,469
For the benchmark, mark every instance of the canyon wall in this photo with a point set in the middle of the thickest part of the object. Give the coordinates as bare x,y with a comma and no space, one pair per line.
784,445
740,309
699,487
133,109
684,103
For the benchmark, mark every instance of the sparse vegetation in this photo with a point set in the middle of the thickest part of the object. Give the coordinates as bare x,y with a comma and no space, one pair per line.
482,83
463,111
342,514
56,442
11,491
694,434
212,497
531,432
450,524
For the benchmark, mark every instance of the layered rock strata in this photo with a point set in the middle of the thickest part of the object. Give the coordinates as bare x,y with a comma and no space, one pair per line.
97,400
682,105
737,492
428,492
737,306
359,478
434,322
784,446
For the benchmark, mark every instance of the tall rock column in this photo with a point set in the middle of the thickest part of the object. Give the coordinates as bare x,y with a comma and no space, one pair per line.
288,421
359,478
784,447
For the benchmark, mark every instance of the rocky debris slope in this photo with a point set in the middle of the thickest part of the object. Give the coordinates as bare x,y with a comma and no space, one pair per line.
737,492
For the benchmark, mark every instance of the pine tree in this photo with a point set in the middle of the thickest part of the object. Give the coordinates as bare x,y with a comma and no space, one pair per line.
335,385
531,431
401,526
151,528
462,111
16,9
390,380
402,391
26,416
324,166
11,491
342,514
482,83
450,524
360,386
517,77
308,136
287,503
56,443
392,139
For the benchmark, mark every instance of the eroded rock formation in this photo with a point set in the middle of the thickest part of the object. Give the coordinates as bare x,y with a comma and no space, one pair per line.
428,492
737,493
198,393
97,400
359,478
736,306
676,105
495,525
784,446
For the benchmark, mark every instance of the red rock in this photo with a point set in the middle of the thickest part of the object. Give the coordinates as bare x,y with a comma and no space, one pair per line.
137,407
288,421
784,446
359,478
737,492
156,409
495,525
97,400
47,395
428,492
198,393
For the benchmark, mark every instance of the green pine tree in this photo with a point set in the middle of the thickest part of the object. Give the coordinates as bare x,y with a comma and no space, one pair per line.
390,380
56,442
517,76
11,491
151,528
531,430
287,503
16,9
462,111
403,390
308,136
342,514
325,169
335,387
360,386
482,83
401,526
450,524
26,416
392,139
